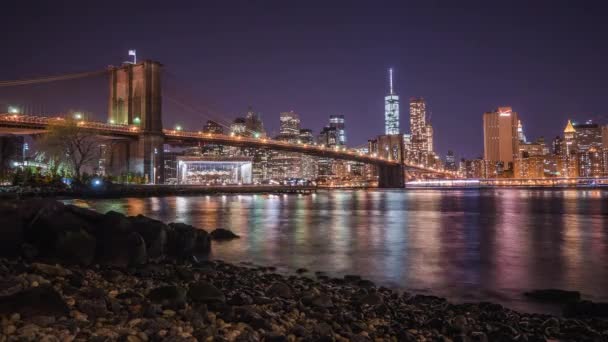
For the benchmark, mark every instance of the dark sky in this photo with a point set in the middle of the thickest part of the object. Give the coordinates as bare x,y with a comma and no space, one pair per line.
546,59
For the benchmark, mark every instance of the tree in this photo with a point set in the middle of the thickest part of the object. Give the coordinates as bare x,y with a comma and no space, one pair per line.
10,151
77,147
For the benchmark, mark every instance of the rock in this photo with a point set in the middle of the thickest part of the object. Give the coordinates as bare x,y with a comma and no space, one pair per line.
554,295
352,278
11,232
154,233
185,240
168,296
279,289
301,270
75,247
322,301
371,299
585,309
221,234
51,270
34,301
138,253
204,292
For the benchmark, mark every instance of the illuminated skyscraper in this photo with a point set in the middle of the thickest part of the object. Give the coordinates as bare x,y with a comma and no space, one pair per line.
391,109
337,121
569,161
520,132
418,124
290,123
500,136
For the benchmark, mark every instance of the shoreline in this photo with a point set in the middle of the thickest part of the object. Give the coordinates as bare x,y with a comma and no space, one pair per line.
83,275
142,191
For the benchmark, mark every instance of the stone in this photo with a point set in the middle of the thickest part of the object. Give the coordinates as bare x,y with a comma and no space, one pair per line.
43,300
153,232
51,270
204,292
221,234
185,240
279,289
11,232
322,301
553,295
371,299
168,296
75,247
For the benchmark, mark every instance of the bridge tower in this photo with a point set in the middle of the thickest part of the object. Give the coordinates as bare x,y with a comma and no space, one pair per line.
391,147
135,99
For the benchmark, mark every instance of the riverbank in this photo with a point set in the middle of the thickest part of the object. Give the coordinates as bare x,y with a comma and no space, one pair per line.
135,190
216,301
138,279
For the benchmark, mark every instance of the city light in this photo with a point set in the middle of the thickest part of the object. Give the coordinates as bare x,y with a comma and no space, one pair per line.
78,116
178,128
137,120
13,110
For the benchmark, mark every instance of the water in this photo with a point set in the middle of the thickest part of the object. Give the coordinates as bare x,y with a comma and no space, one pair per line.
467,245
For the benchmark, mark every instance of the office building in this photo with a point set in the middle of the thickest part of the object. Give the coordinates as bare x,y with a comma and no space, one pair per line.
450,161
213,127
587,136
254,124
337,121
290,124
391,109
569,166
500,136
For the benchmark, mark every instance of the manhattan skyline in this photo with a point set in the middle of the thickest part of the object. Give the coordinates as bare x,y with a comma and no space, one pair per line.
323,60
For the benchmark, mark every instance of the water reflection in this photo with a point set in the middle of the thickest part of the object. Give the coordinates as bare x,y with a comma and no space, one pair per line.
467,245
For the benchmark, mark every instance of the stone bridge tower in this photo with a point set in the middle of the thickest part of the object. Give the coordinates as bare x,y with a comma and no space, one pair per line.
135,99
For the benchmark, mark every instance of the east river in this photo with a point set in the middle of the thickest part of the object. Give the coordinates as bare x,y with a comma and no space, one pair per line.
466,245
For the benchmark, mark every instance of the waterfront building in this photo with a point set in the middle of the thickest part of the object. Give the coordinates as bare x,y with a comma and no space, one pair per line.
474,168
590,163
500,136
557,146
198,170
170,165
569,149
337,121
282,164
391,109
587,136
309,163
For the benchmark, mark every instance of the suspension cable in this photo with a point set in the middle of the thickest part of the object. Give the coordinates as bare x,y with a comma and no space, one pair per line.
48,79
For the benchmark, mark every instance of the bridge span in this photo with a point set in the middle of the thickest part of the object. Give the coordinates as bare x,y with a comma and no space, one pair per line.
135,121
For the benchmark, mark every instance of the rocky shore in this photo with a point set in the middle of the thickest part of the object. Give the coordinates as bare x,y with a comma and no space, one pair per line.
63,278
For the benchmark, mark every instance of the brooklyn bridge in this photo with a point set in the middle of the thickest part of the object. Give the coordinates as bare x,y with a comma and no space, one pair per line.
135,125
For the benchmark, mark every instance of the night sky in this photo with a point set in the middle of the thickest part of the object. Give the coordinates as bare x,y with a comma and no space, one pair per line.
546,59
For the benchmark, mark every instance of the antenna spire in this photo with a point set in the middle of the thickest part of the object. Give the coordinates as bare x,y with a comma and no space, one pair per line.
390,80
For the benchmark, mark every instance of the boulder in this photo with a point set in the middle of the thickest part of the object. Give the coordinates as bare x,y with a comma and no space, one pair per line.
35,301
221,234
154,233
75,247
204,292
172,297
185,240
137,246
11,234
553,295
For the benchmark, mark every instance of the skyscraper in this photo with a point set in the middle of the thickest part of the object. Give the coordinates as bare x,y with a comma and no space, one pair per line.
391,109
418,124
450,161
337,121
290,123
254,123
569,159
500,136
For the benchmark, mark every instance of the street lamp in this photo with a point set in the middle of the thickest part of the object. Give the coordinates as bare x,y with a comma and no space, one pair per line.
137,120
178,128
78,116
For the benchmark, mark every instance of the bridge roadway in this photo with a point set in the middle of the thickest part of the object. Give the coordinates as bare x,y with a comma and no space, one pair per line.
24,124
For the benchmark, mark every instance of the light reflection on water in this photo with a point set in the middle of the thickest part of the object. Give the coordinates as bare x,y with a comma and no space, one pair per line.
465,245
